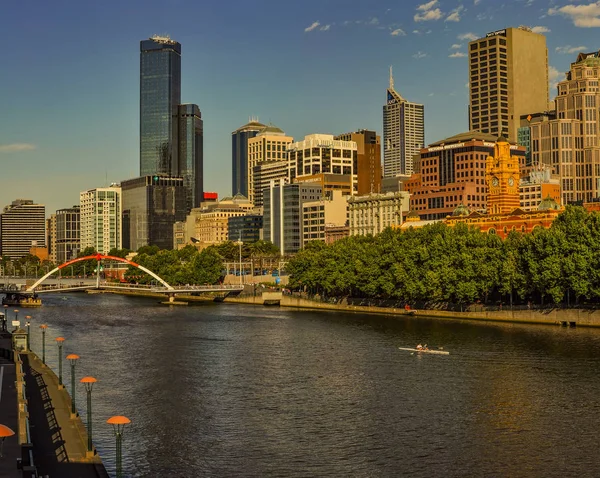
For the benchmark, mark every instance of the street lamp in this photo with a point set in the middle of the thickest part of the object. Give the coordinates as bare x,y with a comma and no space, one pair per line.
240,243
118,422
89,382
73,359
5,321
28,324
5,432
43,327
16,314
59,341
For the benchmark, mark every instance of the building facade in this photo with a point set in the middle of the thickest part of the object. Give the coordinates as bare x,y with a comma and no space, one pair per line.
247,229
373,213
282,218
101,219
508,77
262,175
537,186
22,225
160,95
68,229
403,132
451,172
151,205
239,156
368,163
570,143
329,211
51,237
191,154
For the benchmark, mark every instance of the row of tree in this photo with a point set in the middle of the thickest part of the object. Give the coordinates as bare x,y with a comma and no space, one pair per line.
460,265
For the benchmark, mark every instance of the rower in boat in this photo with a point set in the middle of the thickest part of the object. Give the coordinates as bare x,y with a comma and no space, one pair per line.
419,347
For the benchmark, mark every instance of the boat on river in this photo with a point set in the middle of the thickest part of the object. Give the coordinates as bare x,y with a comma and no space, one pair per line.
425,351
21,300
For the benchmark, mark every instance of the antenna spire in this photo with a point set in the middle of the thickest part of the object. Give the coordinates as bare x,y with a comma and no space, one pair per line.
391,79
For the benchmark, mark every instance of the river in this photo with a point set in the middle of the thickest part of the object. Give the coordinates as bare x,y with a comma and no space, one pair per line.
234,390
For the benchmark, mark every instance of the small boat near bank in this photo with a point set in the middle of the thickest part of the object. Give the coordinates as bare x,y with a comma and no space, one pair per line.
21,300
425,351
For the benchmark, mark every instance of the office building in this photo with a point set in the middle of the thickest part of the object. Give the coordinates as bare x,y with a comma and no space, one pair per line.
323,160
538,185
211,224
247,229
282,218
68,243
373,213
191,154
451,172
570,143
101,219
269,145
262,175
160,95
318,215
403,132
508,77
239,155
51,237
368,163
151,205
22,225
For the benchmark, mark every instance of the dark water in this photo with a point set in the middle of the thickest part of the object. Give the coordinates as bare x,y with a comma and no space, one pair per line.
227,390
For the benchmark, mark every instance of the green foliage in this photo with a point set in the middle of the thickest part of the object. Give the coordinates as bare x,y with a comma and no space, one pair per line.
459,265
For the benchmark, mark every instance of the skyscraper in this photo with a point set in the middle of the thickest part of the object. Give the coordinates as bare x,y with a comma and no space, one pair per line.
22,224
67,234
239,156
508,77
403,132
100,219
368,165
191,154
160,95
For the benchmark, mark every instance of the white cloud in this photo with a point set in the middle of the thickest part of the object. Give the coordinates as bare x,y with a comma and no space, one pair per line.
540,29
467,36
456,46
569,50
430,94
427,6
554,76
419,55
429,15
455,14
457,54
16,147
476,2
398,32
583,16
373,21
324,28
312,27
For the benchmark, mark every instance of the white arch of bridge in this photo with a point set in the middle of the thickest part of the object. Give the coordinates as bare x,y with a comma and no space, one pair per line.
99,257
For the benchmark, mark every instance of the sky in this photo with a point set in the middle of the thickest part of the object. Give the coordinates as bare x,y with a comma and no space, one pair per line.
69,74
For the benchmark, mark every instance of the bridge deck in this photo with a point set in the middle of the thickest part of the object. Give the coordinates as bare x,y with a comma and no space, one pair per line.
188,289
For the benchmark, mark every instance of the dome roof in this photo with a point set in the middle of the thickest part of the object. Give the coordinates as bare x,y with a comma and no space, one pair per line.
271,129
413,216
250,126
461,210
548,204
501,139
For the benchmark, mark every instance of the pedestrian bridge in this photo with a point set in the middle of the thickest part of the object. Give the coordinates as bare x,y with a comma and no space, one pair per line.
47,284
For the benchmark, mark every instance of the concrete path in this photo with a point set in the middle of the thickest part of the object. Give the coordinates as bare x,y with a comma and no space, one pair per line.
8,413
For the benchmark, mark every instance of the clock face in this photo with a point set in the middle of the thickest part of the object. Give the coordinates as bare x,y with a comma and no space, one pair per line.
511,182
495,182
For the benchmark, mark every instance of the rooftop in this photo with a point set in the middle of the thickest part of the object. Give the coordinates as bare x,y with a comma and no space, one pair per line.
465,137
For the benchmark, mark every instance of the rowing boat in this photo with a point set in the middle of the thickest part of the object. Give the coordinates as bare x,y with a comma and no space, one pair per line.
425,351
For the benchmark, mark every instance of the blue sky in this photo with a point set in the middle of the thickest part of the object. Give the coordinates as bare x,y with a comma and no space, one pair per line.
69,82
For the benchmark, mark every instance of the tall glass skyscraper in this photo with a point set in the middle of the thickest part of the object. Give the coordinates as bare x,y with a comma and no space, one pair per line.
239,156
191,151
160,95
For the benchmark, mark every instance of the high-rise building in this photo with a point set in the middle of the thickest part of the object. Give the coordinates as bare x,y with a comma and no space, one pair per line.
51,237
368,164
101,219
323,160
403,132
508,77
191,154
245,228
160,95
239,156
317,215
22,225
68,243
263,173
269,144
373,213
151,205
282,218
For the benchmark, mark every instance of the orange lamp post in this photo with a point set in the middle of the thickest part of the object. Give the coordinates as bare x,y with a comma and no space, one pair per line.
5,320
5,432
73,358
118,422
43,327
59,341
16,311
89,382
28,324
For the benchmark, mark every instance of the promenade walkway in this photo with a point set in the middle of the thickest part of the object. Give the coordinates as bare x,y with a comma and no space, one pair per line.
59,441
8,412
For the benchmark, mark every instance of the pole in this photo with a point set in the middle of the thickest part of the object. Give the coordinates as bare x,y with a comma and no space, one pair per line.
28,335
240,244
89,417
119,455
73,387
60,364
44,346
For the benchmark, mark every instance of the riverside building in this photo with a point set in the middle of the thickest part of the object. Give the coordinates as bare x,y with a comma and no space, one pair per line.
321,214
68,230
263,173
403,132
22,225
101,219
508,77
373,213
239,155
368,163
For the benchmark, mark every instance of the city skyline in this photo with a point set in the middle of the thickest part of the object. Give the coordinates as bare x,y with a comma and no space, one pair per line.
71,111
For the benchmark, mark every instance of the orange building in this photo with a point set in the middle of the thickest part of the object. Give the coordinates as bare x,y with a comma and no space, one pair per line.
503,212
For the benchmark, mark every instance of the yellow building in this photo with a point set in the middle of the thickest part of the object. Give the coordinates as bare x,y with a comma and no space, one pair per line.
318,215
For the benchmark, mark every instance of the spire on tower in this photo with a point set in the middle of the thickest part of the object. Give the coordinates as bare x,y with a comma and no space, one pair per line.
391,79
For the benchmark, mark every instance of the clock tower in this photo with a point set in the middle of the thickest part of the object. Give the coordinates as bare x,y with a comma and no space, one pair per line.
502,177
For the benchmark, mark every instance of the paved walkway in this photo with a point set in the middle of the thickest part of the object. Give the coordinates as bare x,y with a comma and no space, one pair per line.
8,413
59,442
